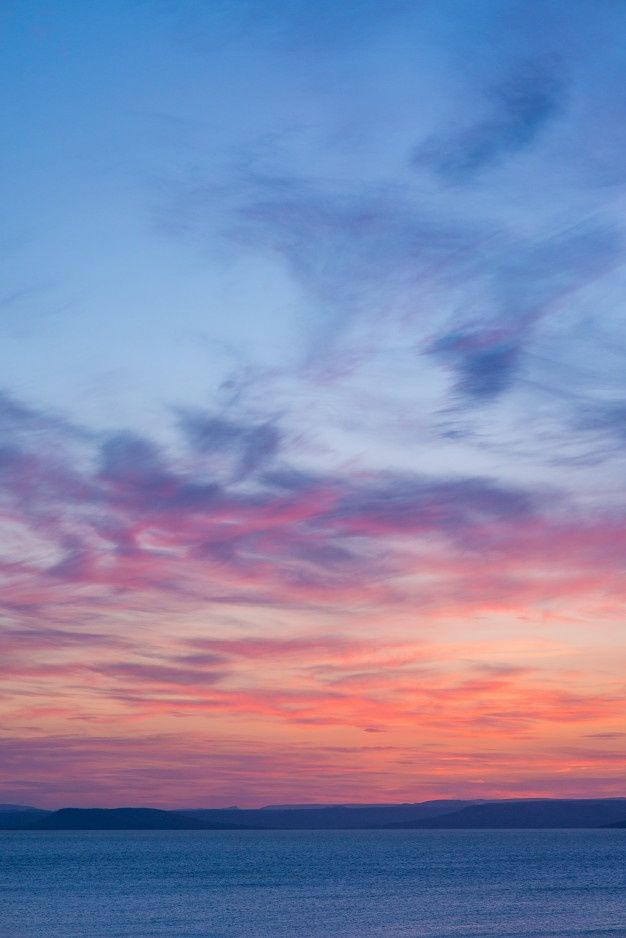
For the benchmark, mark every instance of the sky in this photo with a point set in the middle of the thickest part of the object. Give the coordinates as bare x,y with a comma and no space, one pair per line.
312,410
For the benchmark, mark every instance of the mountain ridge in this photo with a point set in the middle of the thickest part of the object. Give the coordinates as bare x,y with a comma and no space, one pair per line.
519,813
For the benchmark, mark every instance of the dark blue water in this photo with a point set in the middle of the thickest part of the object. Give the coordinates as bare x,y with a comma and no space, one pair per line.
306,884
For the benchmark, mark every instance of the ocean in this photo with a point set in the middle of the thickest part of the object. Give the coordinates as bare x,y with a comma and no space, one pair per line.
308,884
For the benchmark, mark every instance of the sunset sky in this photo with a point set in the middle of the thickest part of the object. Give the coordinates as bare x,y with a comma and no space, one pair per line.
312,410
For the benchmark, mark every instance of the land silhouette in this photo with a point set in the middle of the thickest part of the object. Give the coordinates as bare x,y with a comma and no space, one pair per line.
525,813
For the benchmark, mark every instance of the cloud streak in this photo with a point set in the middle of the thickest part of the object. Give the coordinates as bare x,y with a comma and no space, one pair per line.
522,107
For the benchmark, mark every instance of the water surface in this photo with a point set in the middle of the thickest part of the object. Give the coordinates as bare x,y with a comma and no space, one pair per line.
308,884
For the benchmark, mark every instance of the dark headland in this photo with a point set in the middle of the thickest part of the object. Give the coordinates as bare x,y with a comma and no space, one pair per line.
529,813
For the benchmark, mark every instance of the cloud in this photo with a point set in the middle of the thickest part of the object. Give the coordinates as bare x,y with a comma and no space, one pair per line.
363,256
485,367
251,444
607,418
202,770
256,647
395,504
122,554
126,521
161,676
522,106
529,281
377,264
18,417
41,638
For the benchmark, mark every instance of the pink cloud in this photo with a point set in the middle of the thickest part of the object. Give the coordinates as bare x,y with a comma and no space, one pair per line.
125,563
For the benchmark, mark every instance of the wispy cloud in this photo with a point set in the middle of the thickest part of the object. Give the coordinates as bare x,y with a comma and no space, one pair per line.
375,266
251,445
325,494
522,107
122,517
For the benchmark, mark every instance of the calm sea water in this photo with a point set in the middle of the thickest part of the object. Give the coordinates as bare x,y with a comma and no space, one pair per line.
307,884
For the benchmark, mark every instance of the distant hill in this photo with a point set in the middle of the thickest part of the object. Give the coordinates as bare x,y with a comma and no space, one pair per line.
331,817
110,819
19,820
10,808
531,814
333,804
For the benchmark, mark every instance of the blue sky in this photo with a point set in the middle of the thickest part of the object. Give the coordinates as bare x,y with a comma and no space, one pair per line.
180,177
